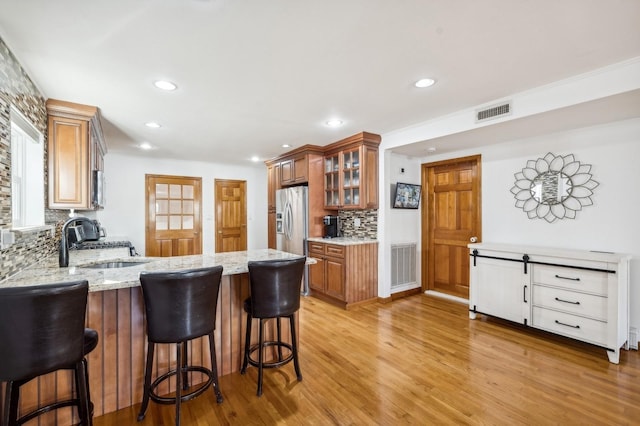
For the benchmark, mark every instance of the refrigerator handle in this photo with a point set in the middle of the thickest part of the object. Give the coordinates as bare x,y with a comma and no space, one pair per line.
288,226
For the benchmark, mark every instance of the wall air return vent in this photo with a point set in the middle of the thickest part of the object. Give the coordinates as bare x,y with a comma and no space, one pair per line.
495,111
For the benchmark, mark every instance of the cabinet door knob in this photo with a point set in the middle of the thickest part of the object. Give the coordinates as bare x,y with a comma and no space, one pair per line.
473,239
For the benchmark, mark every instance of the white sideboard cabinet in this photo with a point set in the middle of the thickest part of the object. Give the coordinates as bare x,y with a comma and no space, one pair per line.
579,294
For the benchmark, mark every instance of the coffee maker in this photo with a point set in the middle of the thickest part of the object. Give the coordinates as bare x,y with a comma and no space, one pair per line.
331,226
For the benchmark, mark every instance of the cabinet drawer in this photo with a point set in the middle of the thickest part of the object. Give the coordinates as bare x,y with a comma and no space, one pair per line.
316,248
580,328
332,250
571,302
570,278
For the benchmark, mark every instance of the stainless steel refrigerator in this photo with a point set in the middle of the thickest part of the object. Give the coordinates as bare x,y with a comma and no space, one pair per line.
292,223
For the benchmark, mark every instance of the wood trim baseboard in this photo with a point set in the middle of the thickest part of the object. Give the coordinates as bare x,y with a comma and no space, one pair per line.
406,293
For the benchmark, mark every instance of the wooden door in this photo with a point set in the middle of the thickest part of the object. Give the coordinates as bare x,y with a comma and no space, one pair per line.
174,210
451,218
231,215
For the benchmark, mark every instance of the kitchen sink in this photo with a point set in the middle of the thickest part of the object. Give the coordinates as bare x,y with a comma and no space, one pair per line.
111,265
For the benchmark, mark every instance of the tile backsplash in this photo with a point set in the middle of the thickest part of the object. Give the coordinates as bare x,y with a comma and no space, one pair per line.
17,90
368,223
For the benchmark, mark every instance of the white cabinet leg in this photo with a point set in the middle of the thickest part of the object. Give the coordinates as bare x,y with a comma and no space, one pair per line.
472,315
614,356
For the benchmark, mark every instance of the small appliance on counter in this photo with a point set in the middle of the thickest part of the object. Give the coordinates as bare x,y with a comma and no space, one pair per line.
331,226
87,234
83,229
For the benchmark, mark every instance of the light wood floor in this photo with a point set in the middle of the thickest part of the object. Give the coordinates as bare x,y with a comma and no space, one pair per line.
420,360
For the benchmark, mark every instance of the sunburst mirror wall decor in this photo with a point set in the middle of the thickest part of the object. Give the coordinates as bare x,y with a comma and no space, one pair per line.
554,187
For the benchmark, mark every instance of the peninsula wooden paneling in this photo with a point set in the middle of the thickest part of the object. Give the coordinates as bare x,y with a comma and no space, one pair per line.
116,366
362,277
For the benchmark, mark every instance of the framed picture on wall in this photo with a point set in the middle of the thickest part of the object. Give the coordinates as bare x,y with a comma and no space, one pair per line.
407,196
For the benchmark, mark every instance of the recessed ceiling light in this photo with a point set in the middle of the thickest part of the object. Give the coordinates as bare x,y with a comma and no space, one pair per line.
165,85
145,145
153,125
255,158
286,145
425,82
431,149
334,122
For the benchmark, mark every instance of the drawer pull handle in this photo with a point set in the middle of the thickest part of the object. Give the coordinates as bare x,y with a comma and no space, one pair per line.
567,301
567,278
567,325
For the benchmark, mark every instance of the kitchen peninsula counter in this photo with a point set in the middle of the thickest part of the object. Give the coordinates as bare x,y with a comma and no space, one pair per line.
115,309
48,271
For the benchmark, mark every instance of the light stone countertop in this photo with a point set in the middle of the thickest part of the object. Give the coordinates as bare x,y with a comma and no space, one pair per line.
47,271
343,241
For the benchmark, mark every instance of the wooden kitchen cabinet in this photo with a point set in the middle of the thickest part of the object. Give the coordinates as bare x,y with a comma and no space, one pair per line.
328,275
294,170
273,184
76,150
344,275
302,166
271,230
351,173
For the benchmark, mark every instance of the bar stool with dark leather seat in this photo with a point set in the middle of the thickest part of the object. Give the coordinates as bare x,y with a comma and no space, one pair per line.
42,330
180,306
275,294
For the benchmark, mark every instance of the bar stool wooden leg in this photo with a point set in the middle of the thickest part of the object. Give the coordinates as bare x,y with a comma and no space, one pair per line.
179,374
294,347
260,356
185,374
279,339
214,369
147,381
83,393
247,344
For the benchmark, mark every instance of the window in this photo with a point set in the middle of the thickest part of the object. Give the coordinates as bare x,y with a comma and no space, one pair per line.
27,173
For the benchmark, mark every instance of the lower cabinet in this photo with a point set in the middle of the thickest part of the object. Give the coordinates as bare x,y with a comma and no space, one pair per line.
344,275
577,294
507,297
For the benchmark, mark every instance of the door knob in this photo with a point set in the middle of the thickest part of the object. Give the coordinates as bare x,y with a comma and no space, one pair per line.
473,239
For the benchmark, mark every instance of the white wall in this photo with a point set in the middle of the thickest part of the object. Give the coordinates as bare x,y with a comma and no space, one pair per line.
610,224
400,225
124,214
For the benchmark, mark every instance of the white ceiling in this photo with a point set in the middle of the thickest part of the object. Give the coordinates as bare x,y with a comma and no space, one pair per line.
254,74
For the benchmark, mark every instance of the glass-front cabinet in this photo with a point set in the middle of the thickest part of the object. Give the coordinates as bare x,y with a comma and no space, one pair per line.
350,177
332,180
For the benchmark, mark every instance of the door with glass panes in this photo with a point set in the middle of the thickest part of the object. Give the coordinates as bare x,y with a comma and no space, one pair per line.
174,212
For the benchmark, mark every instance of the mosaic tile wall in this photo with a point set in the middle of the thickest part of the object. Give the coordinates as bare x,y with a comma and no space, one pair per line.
368,223
17,89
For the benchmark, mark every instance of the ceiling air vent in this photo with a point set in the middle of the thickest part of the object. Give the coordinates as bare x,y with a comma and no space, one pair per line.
493,112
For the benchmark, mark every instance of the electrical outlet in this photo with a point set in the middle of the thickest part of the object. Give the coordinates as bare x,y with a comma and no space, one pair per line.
6,238
356,223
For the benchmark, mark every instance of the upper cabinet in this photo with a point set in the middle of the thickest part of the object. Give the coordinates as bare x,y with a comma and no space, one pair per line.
76,150
295,166
302,166
351,173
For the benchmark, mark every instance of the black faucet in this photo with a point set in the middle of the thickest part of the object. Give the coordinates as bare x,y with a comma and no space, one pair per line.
63,250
